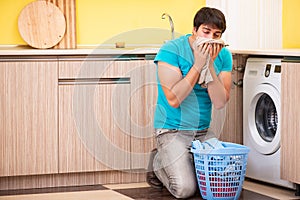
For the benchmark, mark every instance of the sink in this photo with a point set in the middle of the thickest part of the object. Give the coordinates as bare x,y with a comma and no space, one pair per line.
128,47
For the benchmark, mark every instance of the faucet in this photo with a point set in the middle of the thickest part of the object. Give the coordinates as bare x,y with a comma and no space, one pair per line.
171,23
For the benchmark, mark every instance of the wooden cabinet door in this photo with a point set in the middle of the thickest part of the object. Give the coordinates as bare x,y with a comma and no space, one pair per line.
232,115
143,101
28,120
290,121
93,127
94,116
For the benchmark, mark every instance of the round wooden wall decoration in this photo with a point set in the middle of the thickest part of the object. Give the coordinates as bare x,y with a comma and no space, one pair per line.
41,24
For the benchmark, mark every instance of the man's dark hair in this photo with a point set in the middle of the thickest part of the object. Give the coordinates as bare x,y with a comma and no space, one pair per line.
210,16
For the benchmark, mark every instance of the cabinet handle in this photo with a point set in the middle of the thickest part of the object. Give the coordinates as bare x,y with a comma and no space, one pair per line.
94,81
239,69
239,83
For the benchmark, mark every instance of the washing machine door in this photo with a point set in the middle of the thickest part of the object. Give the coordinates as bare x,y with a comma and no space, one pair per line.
264,122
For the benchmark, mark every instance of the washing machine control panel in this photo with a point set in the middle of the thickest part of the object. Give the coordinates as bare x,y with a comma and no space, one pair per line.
263,70
272,68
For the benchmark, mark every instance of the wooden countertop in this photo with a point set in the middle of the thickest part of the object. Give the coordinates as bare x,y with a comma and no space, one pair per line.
80,50
267,52
130,49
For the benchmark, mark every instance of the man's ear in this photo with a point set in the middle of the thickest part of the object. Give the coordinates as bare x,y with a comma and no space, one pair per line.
194,31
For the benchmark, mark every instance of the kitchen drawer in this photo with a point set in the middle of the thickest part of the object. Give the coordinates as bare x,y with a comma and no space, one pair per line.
96,68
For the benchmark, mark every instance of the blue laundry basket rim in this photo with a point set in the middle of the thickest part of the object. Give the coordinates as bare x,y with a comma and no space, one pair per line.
229,148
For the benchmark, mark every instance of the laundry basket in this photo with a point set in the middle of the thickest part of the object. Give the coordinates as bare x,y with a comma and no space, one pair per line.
220,172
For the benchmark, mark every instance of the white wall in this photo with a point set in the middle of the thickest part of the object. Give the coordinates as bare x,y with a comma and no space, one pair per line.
251,24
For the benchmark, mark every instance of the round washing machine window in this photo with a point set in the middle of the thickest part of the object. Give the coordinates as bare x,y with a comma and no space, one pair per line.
264,119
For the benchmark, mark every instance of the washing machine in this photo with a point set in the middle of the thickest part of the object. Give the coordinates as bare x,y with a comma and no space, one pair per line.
261,119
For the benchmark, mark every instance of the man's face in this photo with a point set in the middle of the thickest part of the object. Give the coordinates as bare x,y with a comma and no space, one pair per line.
208,31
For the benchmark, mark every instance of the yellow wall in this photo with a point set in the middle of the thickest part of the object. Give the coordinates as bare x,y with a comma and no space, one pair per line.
290,24
100,20
9,21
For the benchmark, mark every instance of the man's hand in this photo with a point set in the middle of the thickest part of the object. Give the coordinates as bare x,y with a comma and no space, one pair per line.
215,50
200,55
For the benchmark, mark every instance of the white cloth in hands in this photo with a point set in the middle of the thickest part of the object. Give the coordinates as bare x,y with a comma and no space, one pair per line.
205,75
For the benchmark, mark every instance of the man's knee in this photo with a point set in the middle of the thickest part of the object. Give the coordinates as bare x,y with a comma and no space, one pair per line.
184,189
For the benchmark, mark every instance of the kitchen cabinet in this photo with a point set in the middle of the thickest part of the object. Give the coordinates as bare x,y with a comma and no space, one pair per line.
290,112
28,120
94,115
232,115
143,101
105,114
52,105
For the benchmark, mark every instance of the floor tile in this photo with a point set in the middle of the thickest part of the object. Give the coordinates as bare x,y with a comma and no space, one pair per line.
52,190
83,195
126,186
147,193
249,195
274,191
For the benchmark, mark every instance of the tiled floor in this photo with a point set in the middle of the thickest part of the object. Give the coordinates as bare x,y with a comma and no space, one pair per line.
137,191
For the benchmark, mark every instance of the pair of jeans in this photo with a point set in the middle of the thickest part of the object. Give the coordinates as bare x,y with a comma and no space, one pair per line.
173,164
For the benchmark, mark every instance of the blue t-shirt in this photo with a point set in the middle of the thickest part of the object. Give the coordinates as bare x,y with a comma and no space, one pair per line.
194,113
